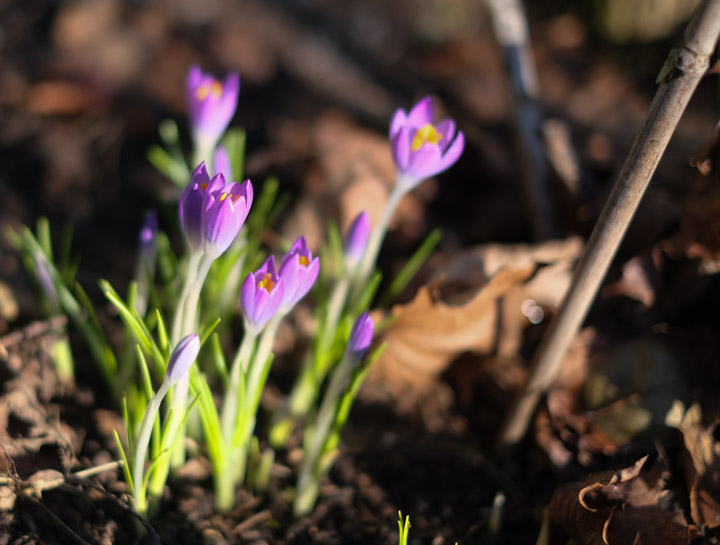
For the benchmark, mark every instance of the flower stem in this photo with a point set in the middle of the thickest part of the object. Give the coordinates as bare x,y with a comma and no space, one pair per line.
376,238
310,473
228,419
141,446
178,320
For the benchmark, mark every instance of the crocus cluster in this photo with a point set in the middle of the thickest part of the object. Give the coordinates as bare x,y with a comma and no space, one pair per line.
212,213
420,147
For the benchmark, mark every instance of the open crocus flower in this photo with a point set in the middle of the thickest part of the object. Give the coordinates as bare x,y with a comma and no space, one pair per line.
223,215
211,106
261,295
299,271
421,148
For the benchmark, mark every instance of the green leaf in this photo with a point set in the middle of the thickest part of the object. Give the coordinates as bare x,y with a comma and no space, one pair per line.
345,403
175,171
162,333
367,294
411,268
137,327
234,142
126,467
218,357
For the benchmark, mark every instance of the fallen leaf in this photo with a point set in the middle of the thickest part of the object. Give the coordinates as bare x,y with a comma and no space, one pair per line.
625,507
704,473
427,333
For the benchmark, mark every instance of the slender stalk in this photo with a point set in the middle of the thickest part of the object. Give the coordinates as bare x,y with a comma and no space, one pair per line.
192,271
377,236
193,297
230,404
314,366
141,446
685,66
308,481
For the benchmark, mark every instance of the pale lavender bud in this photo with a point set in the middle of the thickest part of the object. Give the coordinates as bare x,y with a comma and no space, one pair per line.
183,356
356,240
360,336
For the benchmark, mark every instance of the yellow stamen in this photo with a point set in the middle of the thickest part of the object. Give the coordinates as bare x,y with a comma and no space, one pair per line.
304,261
427,134
213,88
203,186
267,283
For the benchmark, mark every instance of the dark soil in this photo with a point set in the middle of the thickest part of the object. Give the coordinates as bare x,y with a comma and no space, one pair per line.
83,86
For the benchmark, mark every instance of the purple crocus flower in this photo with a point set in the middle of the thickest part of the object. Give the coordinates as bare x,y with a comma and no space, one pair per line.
211,106
360,336
421,148
223,214
356,240
211,213
191,202
182,357
261,295
299,271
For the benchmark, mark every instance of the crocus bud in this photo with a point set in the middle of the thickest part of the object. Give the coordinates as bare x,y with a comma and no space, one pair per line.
298,271
211,106
223,214
420,148
221,163
356,240
147,254
360,336
42,270
261,295
182,357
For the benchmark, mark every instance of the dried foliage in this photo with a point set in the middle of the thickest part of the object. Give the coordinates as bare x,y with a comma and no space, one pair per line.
625,507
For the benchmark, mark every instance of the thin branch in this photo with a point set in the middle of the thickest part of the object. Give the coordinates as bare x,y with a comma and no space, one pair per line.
685,66
511,31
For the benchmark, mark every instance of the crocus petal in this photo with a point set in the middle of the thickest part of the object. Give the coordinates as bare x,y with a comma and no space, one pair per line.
194,77
247,295
222,164
399,120
446,128
271,304
231,87
422,113
182,357
400,147
423,162
452,153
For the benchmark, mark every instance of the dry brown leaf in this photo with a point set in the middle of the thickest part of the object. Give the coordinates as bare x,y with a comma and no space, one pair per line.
621,508
427,334
704,478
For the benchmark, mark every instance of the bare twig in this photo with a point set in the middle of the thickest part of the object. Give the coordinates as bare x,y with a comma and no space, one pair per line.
685,66
511,30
